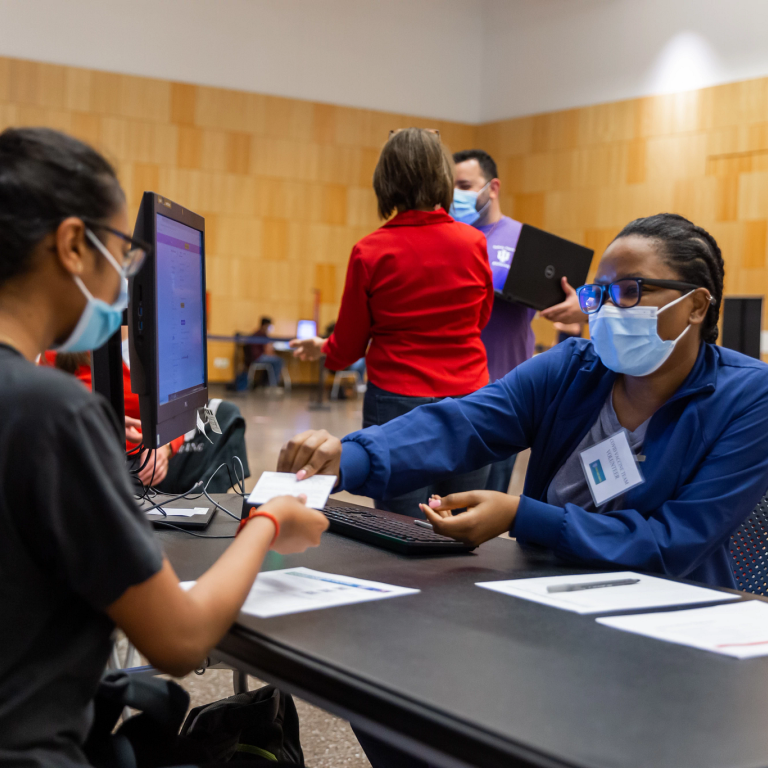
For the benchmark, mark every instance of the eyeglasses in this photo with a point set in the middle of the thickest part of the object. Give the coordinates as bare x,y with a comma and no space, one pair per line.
137,251
428,130
624,293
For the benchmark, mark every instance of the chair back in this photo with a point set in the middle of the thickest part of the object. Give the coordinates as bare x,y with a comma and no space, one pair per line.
749,551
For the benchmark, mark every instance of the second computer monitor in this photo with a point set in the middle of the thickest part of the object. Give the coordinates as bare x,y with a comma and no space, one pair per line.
167,323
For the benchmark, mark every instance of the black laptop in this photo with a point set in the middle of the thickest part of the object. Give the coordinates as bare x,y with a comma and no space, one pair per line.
541,260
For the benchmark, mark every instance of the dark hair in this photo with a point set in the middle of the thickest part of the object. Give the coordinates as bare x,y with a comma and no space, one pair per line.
70,362
413,171
46,176
692,252
486,162
265,321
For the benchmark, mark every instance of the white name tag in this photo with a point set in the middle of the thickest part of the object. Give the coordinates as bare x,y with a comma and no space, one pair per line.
610,468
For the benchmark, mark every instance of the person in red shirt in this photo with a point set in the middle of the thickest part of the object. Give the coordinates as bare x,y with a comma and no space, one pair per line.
156,467
418,293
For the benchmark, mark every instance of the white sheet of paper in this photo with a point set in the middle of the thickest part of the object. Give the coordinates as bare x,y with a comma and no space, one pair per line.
295,590
179,512
271,484
610,468
649,592
739,630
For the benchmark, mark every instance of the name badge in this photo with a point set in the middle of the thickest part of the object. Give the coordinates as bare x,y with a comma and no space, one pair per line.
610,468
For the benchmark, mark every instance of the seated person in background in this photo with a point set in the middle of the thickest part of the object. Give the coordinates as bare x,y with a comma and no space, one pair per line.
263,353
156,464
78,556
357,367
696,414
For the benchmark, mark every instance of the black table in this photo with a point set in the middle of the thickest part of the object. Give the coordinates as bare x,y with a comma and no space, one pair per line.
466,676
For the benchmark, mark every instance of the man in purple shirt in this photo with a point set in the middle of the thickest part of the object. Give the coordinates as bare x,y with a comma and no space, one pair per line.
508,337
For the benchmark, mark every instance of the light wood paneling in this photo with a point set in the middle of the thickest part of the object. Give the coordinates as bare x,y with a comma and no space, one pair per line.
584,173
285,185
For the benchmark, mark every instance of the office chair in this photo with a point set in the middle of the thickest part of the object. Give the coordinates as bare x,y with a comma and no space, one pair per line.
339,376
749,551
286,377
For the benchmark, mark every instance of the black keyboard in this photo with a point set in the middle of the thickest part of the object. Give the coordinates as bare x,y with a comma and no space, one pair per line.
388,530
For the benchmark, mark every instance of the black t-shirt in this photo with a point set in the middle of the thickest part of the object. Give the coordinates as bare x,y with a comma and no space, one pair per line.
71,542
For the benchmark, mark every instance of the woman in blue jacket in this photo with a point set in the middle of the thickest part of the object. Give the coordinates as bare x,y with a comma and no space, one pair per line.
695,415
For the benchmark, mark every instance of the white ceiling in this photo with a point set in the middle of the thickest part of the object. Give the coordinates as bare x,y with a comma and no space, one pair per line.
465,60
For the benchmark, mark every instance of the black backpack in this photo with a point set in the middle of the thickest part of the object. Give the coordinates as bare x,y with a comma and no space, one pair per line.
257,728
198,458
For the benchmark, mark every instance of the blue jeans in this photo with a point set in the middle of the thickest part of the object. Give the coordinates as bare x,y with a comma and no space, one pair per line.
358,367
379,407
276,363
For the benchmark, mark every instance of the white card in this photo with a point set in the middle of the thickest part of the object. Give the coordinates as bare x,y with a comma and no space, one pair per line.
610,468
211,419
179,512
201,427
317,488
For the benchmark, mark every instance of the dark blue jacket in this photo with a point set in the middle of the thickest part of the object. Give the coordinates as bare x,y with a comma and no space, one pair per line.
706,461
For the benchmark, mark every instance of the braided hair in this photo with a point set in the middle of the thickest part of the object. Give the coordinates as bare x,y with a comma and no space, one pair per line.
46,176
692,252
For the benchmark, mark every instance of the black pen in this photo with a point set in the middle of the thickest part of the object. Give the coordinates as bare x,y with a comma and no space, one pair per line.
591,585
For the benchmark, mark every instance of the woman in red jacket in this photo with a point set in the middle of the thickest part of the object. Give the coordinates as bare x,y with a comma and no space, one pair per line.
419,290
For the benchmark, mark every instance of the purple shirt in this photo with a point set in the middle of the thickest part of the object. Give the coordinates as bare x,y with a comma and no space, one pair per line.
508,337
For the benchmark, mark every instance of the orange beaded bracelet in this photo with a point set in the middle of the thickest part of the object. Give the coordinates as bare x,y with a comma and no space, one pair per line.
258,513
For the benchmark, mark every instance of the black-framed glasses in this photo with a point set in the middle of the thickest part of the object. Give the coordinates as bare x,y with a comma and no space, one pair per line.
624,293
137,251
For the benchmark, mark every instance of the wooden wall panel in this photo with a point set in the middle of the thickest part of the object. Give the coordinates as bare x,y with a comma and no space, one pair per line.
285,185
589,171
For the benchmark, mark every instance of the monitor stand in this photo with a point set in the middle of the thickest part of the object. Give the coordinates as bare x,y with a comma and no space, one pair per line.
107,373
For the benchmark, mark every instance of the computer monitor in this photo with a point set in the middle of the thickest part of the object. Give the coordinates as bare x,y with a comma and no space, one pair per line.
166,321
742,324
306,329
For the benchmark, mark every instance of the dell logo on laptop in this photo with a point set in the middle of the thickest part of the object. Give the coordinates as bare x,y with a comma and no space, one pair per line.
549,271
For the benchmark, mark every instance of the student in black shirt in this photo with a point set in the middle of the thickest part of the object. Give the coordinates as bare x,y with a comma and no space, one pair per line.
76,555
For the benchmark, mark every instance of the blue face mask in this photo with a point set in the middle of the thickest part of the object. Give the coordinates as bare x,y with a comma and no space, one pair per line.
627,340
99,319
464,206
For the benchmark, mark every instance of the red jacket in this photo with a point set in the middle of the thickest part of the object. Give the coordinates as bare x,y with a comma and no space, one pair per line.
420,289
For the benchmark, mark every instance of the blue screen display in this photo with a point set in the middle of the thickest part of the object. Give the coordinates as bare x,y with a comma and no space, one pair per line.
180,308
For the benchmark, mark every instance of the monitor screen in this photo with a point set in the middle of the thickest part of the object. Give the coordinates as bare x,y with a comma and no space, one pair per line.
180,310
306,329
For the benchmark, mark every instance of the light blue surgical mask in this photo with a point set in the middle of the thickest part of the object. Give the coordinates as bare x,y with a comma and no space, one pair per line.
99,319
627,340
464,206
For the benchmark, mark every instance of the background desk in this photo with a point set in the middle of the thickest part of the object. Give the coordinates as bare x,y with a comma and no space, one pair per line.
493,680
223,350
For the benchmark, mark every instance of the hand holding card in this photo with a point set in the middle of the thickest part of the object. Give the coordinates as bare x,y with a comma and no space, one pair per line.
271,484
